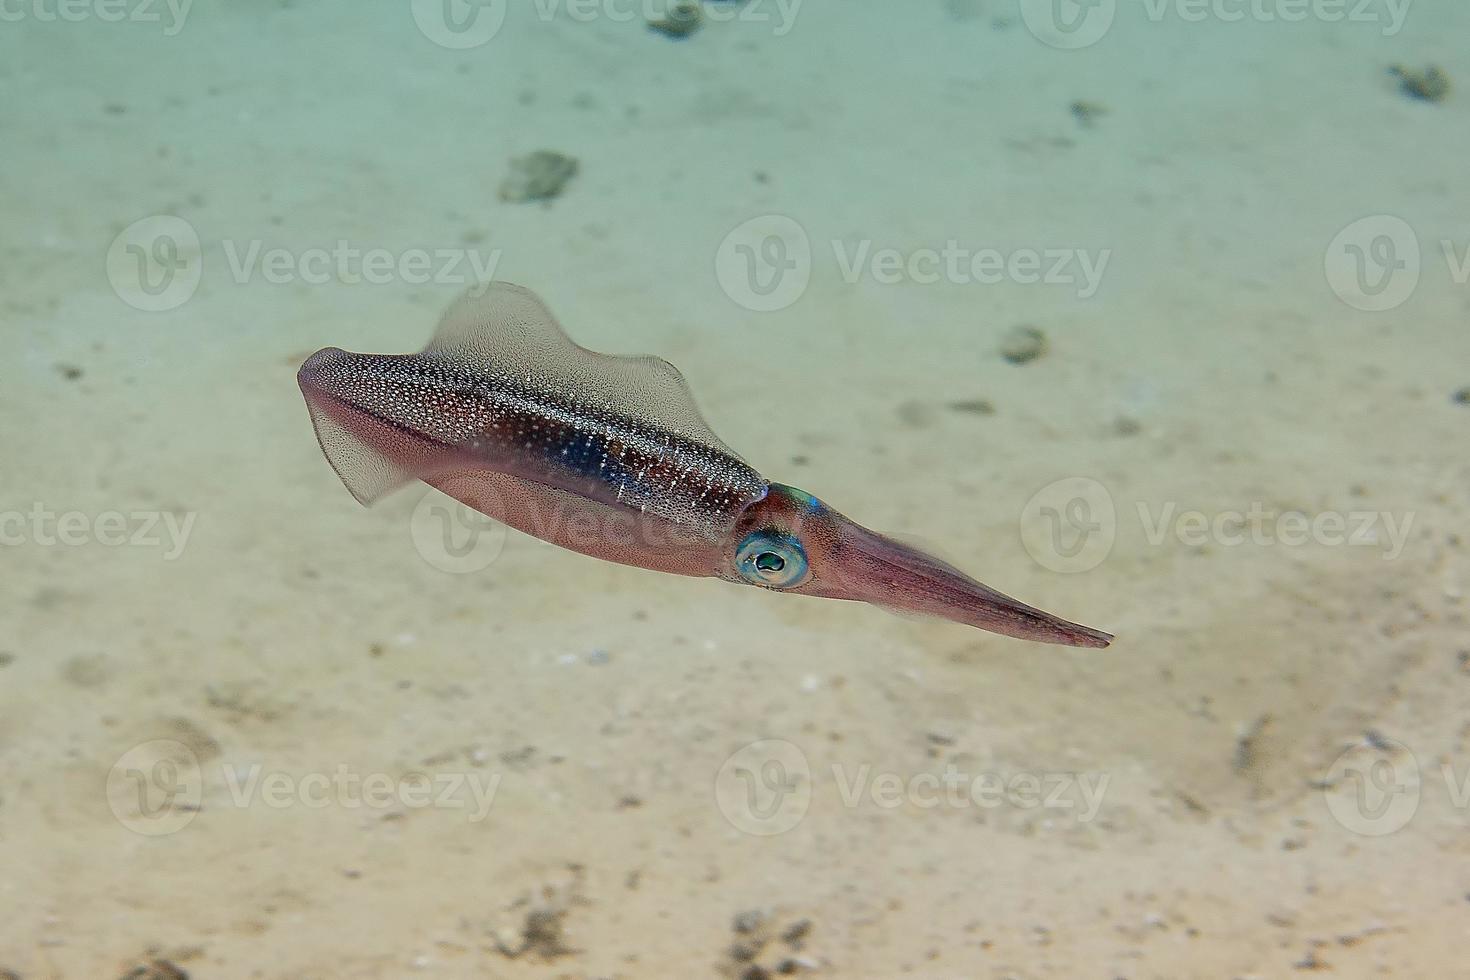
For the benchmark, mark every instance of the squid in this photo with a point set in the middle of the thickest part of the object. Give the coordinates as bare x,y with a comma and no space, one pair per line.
610,457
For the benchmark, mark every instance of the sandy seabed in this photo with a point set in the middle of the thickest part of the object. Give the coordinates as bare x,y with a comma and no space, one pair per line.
249,729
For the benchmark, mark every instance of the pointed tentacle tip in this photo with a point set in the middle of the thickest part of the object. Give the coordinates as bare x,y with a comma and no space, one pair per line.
999,613
1086,636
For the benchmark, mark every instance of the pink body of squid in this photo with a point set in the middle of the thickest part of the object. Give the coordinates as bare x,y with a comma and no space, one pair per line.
609,456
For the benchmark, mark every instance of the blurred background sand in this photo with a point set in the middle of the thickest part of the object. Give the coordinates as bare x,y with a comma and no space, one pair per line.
620,715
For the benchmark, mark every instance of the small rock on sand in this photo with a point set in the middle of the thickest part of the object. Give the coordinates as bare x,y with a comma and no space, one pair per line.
1023,344
539,176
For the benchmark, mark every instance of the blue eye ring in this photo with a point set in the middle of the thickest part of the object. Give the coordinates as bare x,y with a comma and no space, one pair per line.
772,560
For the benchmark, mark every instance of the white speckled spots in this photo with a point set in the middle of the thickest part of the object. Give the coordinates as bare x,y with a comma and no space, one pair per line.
470,398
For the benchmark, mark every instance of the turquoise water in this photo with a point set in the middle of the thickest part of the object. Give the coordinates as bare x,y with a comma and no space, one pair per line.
1148,313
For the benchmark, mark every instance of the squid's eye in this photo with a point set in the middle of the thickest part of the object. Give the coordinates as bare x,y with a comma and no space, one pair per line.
772,559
